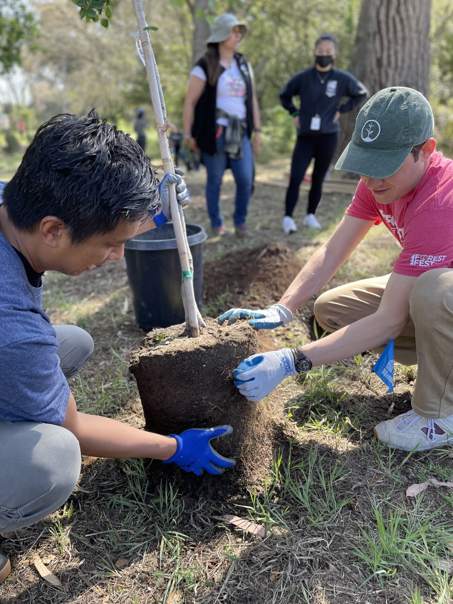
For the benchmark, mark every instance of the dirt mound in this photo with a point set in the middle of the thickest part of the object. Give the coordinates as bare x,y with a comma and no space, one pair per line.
256,277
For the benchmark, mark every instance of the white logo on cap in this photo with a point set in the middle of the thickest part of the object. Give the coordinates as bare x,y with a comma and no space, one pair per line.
370,131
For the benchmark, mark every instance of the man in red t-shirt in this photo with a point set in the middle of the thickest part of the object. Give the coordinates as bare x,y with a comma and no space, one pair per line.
408,185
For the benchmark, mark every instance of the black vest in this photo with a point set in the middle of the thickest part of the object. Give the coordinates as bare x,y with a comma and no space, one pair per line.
204,123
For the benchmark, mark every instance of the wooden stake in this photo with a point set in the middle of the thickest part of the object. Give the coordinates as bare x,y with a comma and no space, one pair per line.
193,317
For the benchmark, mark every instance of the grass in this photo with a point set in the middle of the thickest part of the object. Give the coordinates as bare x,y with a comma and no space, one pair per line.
339,527
311,486
111,394
320,406
408,540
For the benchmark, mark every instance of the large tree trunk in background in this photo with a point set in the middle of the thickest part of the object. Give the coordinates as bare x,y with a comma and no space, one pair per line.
199,10
392,48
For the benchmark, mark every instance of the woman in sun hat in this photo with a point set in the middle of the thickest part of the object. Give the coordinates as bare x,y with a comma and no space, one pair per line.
221,117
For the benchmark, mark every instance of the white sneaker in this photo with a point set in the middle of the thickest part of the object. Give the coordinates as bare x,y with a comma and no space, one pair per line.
288,225
311,222
412,432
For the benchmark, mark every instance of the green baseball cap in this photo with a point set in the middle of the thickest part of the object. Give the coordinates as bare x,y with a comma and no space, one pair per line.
222,27
388,126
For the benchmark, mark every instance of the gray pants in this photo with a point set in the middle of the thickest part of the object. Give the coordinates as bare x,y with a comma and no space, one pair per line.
40,463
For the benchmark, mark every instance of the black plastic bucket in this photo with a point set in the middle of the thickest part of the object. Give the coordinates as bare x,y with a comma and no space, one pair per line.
154,274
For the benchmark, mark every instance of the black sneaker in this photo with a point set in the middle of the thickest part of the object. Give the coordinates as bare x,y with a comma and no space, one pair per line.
5,567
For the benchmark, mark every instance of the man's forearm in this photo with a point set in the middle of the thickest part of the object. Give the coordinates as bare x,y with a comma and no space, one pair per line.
365,334
105,437
313,276
325,262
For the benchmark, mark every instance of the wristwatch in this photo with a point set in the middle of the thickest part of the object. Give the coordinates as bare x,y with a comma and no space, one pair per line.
302,363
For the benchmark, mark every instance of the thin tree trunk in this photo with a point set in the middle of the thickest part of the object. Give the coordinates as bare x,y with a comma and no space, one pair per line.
193,317
199,10
392,48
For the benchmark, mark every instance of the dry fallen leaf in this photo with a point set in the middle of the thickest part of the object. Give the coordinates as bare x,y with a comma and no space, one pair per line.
175,597
45,573
416,489
87,460
245,525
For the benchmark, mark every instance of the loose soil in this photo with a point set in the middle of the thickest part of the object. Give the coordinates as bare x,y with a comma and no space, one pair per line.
255,277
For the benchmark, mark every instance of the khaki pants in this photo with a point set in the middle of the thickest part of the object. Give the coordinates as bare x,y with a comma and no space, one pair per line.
430,327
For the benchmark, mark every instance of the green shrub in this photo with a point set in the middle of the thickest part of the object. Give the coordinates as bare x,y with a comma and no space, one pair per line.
12,143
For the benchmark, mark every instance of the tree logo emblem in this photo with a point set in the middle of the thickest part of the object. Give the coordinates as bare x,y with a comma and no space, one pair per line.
370,131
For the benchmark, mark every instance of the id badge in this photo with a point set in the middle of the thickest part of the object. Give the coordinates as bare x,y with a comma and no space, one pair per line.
315,123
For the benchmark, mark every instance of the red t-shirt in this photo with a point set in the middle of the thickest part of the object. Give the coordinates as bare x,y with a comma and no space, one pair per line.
421,221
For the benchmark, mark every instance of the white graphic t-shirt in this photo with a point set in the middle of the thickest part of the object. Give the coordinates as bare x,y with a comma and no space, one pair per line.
230,91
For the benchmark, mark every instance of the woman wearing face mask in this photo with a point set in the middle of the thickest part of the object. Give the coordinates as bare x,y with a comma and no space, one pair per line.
320,90
222,119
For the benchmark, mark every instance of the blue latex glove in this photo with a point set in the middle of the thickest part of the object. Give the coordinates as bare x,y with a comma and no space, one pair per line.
385,365
261,373
196,454
182,195
269,318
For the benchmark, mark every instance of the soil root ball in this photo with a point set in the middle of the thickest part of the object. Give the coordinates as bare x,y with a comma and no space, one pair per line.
187,383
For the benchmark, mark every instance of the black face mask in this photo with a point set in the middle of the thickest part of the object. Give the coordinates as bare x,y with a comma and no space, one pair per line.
323,60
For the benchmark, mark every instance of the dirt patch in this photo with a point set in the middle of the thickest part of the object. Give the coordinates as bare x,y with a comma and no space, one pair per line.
256,278
187,383
252,277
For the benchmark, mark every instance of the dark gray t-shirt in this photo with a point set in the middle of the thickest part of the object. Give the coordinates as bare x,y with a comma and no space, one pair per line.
32,384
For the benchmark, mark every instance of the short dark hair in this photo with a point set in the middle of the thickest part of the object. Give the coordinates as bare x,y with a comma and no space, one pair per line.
86,173
416,150
327,38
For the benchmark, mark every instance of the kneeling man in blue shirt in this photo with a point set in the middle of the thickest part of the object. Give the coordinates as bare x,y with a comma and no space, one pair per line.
81,191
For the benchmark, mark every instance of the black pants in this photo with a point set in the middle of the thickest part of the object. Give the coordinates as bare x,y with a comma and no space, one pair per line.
141,140
321,147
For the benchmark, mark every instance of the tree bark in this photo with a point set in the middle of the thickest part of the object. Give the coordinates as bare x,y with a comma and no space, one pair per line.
392,48
199,9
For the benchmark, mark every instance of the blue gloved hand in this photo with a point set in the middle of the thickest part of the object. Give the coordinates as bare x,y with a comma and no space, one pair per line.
182,195
196,454
268,318
261,373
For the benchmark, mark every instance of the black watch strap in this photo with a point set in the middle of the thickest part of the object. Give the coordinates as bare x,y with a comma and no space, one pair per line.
301,362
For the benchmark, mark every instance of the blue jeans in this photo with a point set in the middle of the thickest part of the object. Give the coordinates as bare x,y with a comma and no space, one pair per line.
243,175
